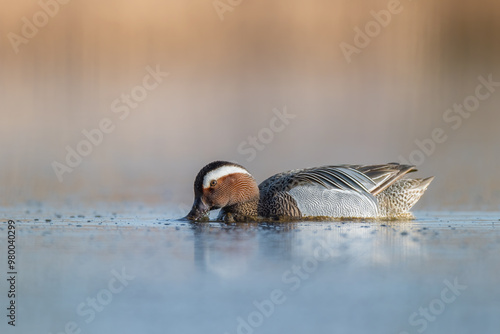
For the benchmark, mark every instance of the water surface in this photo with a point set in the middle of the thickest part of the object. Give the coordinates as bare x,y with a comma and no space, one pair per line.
105,272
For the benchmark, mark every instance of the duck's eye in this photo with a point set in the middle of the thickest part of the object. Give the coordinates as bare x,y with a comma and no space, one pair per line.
213,183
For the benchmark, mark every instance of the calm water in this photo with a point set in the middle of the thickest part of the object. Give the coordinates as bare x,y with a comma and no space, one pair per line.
120,272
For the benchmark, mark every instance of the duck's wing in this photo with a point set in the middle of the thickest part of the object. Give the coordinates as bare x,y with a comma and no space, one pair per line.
371,179
384,175
334,177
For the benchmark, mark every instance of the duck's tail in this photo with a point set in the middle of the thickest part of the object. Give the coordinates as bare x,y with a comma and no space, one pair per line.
397,200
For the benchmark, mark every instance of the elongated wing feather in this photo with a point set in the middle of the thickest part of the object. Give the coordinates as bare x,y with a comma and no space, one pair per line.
385,175
335,177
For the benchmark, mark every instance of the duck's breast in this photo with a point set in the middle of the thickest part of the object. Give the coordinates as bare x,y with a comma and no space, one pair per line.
315,200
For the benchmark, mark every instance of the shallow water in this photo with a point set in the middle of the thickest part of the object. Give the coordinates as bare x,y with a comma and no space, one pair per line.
105,272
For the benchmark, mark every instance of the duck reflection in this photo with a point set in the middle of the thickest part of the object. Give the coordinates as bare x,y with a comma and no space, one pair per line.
233,251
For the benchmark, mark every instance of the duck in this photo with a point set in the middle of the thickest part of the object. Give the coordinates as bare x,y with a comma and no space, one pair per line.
336,191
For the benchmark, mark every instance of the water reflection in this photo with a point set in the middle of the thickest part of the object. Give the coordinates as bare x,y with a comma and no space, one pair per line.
230,252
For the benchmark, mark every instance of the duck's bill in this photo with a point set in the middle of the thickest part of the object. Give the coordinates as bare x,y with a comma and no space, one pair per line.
199,211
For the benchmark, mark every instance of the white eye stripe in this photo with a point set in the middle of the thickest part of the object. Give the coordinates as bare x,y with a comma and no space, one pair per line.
221,172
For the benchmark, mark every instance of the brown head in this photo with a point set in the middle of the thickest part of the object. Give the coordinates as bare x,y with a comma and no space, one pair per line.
221,184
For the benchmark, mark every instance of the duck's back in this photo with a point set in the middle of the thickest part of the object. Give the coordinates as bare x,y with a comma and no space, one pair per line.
335,191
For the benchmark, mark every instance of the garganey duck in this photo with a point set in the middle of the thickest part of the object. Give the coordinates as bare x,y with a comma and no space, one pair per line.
341,191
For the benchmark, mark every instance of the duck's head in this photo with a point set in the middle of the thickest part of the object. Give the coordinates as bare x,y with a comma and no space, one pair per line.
221,184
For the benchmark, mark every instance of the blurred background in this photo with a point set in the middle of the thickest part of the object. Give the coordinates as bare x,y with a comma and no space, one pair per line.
232,66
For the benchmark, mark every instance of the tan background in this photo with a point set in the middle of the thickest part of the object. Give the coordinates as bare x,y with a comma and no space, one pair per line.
225,79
